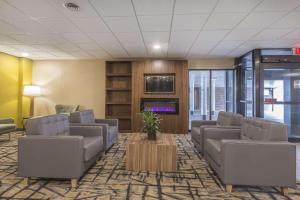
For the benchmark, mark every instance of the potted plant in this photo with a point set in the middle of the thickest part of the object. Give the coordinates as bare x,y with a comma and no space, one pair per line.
151,123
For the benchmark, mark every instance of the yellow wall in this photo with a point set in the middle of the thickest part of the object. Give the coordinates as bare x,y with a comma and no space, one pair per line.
14,73
79,82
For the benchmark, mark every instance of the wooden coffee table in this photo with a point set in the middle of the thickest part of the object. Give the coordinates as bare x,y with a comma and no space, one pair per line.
151,155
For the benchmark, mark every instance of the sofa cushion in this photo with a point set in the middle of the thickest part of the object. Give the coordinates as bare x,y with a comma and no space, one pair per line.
5,127
195,134
83,117
213,149
92,146
263,130
224,118
52,125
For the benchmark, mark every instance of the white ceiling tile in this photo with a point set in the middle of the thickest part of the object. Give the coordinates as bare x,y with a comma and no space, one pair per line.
89,46
271,34
4,40
67,46
132,42
8,12
81,54
203,47
194,6
36,8
289,21
156,37
39,38
8,28
91,25
236,5
76,37
24,48
115,8
5,48
189,22
277,5
220,52
211,35
59,25
86,9
108,42
122,24
293,35
153,7
99,54
31,26
155,23
239,52
259,20
219,21
181,40
229,44
245,34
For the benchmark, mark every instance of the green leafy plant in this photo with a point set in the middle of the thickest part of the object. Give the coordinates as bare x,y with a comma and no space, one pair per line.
151,123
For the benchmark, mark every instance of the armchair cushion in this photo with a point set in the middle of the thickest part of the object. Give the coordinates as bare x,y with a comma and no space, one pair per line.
92,146
213,149
83,117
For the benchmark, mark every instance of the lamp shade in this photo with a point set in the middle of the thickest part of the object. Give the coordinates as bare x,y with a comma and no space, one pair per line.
32,90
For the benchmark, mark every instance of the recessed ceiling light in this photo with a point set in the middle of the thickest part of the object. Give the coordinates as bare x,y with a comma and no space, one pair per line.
156,46
24,54
71,6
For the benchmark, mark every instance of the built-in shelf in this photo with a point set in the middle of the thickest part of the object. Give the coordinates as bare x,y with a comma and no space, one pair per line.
118,97
118,103
118,75
118,89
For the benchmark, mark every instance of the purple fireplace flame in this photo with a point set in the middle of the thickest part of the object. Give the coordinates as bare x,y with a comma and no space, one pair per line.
161,109
160,105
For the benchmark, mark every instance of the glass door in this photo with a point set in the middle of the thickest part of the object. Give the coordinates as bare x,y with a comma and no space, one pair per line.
210,91
199,81
282,97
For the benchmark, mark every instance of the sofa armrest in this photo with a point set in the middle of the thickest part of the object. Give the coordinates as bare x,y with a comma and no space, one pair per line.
198,123
7,121
86,130
262,163
110,122
220,133
50,156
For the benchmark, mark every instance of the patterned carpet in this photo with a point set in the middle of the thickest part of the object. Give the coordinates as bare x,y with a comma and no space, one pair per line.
108,179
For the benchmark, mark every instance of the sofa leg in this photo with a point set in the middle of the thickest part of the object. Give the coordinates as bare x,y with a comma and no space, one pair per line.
26,181
285,191
229,188
74,183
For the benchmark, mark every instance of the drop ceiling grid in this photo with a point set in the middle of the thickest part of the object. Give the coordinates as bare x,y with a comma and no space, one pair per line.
50,31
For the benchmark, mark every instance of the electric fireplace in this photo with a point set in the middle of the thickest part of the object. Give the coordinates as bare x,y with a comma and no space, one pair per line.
160,105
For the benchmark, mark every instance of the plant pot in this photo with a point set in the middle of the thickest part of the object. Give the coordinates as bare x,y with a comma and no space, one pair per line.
151,136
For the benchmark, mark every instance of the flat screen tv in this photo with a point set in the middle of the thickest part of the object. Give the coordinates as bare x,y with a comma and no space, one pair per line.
159,83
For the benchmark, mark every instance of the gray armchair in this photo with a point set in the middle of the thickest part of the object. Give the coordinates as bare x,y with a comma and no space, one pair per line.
52,149
257,154
109,126
7,125
225,120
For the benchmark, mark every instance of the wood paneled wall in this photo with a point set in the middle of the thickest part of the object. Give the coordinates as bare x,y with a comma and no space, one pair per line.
170,123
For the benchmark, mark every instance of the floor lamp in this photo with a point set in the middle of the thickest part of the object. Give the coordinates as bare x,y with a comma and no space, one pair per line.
32,91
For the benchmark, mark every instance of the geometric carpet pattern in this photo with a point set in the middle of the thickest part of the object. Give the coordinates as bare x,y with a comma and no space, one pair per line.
108,179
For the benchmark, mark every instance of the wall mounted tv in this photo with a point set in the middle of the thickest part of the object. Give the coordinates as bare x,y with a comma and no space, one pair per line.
159,83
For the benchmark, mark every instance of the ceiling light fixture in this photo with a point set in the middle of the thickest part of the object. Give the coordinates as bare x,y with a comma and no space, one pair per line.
156,47
71,6
24,54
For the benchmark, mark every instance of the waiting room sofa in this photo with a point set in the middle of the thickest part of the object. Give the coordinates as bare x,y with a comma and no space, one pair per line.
109,126
257,154
52,149
7,125
224,120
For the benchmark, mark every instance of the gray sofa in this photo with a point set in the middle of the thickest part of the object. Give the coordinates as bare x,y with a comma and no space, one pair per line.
257,154
109,126
7,125
52,149
225,120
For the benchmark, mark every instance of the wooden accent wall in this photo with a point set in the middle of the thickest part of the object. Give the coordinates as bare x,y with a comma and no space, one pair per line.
170,123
